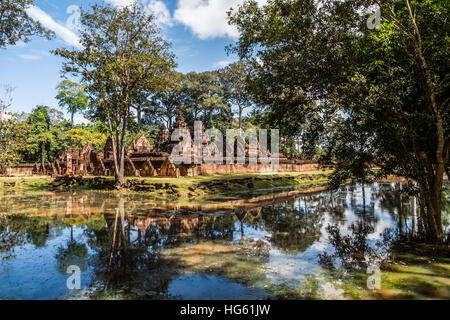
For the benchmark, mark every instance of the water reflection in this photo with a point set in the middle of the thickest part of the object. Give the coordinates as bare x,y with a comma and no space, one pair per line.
131,247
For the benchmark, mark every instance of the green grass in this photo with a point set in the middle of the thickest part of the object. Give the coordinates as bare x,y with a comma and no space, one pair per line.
25,184
229,186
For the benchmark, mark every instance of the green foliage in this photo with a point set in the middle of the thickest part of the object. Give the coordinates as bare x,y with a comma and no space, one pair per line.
123,59
206,100
281,51
93,127
80,137
149,131
164,104
11,138
288,147
16,25
44,136
365,96
232,80
73,96
208,96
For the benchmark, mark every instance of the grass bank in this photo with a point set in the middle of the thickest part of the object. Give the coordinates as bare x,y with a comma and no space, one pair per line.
230,186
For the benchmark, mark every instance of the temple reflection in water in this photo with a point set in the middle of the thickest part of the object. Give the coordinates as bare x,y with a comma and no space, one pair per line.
282,246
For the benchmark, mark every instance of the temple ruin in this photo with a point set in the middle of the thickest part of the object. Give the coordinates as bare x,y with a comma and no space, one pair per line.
145,160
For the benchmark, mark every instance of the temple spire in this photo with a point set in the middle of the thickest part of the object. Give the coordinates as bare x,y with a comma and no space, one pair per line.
179,122
162,139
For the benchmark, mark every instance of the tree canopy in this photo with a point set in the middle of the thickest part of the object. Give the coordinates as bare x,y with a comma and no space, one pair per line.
72,95
381,95
122,54
16,25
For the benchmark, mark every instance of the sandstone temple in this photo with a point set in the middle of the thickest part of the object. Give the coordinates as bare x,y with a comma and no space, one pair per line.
142,159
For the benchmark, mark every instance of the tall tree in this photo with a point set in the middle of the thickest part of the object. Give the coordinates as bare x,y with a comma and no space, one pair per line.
39,135
140,105
233,79
16,24
44,135
163,105
122,53
73,96
11,138
389,83
205,99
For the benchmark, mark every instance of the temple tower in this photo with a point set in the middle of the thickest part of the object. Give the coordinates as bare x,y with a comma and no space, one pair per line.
162,139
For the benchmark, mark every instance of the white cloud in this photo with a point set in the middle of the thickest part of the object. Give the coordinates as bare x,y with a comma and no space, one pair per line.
63,32
120,3
208,18
222,63
157,7
162,14
29,56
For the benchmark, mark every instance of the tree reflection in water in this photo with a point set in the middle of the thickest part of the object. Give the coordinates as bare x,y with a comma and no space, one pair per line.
131,247
294,225
353,252
353,247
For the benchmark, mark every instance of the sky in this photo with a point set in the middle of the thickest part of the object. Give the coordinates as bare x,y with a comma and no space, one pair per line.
197,29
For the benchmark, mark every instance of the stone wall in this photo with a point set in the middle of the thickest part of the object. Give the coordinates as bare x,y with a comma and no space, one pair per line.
212,169
170,170
26,169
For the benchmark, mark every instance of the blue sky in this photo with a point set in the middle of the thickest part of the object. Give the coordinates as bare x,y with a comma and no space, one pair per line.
197,30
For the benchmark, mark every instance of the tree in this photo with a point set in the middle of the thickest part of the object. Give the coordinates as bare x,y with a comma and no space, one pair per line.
11,138
16,24
206,100
73,96
233,79
45,139
80,137
93,127
389,84
122,54
11,133
40,135
140,105
163,105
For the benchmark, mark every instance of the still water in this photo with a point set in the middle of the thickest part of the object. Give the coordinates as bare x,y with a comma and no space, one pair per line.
315,246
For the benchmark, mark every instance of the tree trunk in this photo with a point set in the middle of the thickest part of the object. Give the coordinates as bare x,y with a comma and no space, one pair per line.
400,209
434,208
117,147
71,119
435,180
430,200
240,118
43,157
139,117
119,153
205,118
414,216
121,177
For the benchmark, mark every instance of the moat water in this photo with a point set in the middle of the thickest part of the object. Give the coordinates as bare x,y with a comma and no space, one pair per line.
317,246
